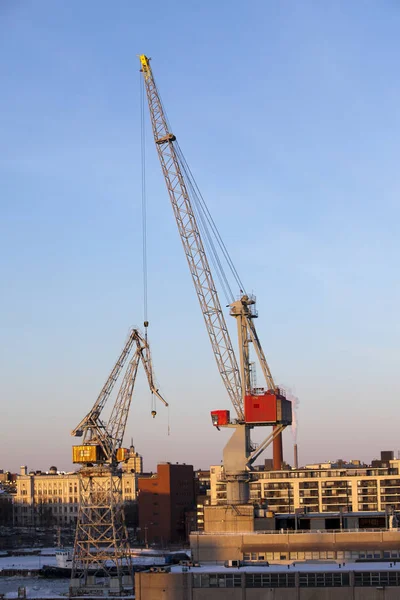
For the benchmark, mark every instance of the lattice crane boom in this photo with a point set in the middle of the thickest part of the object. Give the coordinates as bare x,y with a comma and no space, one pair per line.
193,245
109,435
117,422
88,426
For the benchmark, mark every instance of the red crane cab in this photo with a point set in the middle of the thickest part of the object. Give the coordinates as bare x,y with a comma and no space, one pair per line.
268,408
220,417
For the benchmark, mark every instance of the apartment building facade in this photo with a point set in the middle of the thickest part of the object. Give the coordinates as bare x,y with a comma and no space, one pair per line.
320,490
52,497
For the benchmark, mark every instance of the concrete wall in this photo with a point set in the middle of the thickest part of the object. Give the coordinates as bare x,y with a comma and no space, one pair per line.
154,586
226,519
221,594
272,594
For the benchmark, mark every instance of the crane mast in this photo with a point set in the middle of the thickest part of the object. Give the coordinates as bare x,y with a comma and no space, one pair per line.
252,407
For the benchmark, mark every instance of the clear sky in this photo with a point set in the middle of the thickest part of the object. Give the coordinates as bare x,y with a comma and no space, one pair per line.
288,113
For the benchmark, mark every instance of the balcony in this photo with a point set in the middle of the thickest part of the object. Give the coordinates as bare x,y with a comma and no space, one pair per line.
309,501
309,493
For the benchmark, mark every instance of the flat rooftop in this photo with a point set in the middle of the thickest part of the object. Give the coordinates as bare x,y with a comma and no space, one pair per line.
303,566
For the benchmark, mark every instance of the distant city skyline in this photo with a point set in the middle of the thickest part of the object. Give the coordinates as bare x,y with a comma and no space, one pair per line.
288,117
153,468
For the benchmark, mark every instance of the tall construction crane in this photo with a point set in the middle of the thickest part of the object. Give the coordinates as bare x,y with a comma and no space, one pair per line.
101,542
254,406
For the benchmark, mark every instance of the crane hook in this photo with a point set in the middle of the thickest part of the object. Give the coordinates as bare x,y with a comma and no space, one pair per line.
153,413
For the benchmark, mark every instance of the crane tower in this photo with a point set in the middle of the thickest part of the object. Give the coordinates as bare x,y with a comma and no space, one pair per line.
254,406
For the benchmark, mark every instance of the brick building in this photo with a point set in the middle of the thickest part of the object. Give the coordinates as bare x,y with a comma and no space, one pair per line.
163,499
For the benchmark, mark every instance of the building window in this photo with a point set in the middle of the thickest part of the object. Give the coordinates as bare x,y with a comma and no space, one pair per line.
270,580
324,579
376,578
207,580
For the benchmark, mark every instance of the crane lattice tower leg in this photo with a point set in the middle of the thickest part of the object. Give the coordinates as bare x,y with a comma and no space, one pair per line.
101,550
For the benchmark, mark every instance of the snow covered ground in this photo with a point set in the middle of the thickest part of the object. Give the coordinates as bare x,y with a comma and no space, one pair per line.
26,562
35,587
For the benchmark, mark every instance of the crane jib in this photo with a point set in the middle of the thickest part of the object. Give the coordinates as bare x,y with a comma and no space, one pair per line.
237,377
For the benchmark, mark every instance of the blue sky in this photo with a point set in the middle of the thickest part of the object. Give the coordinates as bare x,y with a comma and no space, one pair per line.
288,115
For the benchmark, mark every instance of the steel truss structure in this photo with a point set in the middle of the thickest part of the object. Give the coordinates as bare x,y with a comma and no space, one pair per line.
101,552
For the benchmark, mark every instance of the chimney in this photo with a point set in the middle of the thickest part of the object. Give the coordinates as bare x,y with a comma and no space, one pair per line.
277,451
296,457
23,470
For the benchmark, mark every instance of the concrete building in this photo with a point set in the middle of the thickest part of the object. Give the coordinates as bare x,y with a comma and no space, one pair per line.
163,499
266,563
52,497
352,581
256,547
201,501
320,490
203,498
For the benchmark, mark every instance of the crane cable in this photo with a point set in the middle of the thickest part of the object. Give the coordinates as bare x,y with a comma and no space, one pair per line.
144,205
144,227
144,223
207,218
206,234
208,228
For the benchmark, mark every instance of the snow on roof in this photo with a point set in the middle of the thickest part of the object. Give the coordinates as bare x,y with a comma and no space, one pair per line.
293,567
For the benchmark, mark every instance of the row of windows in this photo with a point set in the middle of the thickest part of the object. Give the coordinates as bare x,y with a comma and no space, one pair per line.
392,486
26,520
328,473
324,579
207,580
55,486
336,484
71,509
270,580
43,500
54,509
312,505
322,555
287,580
376,578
